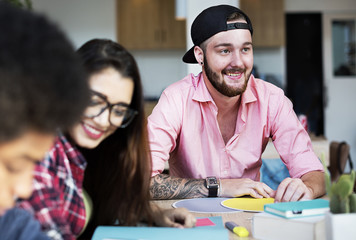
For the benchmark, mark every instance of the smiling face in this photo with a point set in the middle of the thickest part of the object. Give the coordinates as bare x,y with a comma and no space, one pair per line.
17,162
109,83
228,61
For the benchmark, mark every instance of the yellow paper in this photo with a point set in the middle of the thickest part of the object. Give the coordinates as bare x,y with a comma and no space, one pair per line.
247,203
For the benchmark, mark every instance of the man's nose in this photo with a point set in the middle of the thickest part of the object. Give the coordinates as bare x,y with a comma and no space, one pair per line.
236,60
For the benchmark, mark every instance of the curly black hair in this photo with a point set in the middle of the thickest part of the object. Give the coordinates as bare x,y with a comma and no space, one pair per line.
43,85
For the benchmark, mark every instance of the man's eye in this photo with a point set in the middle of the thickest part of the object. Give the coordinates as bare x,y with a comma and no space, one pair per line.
225,51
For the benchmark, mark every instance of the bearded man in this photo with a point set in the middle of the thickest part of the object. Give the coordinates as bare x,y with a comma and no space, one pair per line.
214,127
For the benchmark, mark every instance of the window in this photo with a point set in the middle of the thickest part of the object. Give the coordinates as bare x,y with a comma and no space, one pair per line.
343,47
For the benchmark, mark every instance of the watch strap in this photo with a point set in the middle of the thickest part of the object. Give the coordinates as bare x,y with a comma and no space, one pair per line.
213,192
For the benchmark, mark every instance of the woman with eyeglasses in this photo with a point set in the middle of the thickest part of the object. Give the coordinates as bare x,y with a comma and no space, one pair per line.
109,148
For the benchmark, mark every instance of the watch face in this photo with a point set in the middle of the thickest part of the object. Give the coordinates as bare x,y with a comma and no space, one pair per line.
211,182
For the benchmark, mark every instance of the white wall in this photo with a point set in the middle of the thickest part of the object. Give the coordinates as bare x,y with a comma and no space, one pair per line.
271,61
82,20
159,69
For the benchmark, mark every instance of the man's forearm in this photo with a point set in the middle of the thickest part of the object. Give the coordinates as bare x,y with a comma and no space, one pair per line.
164,186
316,181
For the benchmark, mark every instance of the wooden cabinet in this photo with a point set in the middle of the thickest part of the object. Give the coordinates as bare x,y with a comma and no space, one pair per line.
149,24
268,21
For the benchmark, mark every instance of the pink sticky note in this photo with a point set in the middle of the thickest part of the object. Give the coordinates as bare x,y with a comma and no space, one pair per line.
204,222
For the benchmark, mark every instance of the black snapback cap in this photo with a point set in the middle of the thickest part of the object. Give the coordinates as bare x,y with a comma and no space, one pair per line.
210,22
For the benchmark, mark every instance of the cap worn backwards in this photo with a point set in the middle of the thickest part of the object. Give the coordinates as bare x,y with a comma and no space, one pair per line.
212,21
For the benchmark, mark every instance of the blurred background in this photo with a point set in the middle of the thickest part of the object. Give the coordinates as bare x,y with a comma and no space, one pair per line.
306,47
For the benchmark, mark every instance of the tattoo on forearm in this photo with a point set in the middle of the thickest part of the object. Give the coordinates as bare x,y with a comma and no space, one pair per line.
164,186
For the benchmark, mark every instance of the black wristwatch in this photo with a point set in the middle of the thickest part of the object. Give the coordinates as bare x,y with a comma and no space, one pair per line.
212,185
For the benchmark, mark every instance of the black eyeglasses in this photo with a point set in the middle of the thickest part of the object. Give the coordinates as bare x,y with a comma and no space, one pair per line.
120,115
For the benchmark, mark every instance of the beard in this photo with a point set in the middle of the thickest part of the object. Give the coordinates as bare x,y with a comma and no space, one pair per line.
221,86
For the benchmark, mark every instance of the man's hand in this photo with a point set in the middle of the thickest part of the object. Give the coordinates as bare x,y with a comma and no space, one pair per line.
244,186
311,185
178,217
292,189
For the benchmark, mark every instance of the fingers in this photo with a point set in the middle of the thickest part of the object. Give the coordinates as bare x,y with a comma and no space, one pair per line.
263,190
241,187
259,190
282,189
292,189
179,218
190,221
256,193
184,218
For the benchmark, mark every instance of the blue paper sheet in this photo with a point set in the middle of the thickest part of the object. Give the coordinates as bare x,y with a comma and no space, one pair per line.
162,233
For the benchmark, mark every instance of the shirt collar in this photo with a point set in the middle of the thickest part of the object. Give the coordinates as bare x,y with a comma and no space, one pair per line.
201,93
249,96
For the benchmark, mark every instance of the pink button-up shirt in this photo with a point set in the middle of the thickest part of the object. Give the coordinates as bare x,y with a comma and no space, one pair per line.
183,129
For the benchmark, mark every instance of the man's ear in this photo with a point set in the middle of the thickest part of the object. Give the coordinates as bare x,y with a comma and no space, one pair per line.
199,55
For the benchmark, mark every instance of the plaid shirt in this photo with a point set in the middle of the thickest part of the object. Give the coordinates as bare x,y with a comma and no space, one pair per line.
57,200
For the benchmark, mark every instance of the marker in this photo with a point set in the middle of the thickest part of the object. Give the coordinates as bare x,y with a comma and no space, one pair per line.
238,230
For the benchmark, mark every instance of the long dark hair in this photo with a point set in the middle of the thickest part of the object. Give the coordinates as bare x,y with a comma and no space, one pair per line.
117,177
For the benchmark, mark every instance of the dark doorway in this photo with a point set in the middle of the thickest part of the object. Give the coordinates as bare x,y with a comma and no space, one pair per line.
304,67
